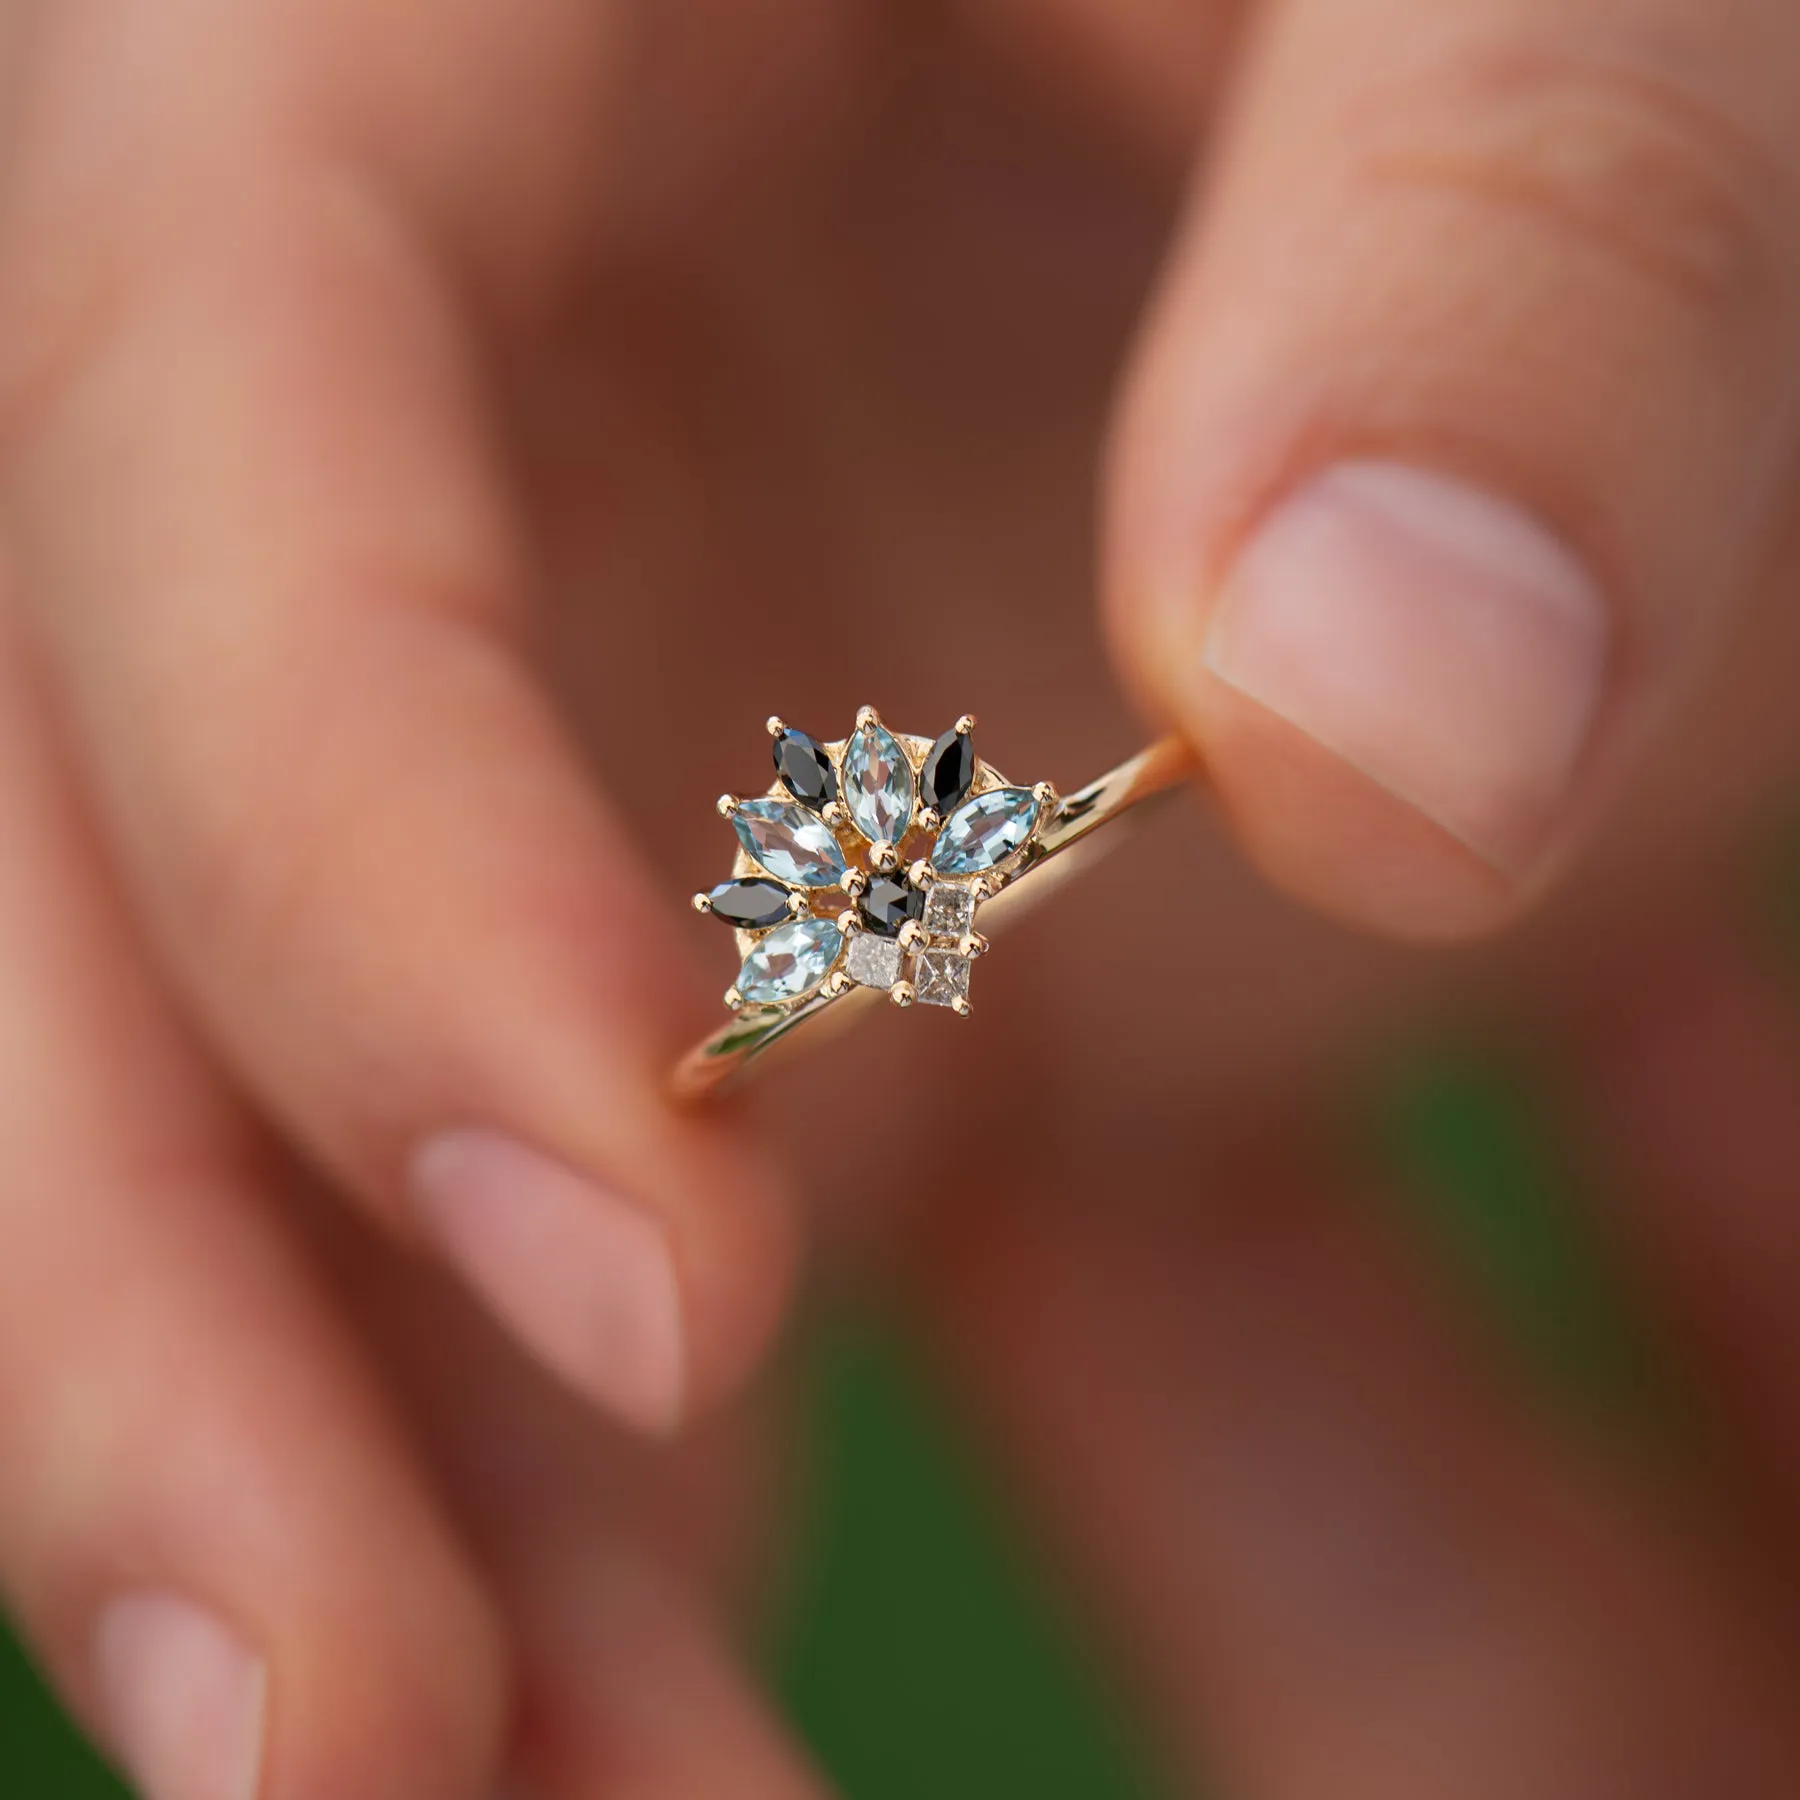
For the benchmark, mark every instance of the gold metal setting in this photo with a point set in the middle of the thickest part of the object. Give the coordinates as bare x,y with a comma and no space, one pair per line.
933,952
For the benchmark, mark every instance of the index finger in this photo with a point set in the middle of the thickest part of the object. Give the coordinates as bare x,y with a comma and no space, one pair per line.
269,551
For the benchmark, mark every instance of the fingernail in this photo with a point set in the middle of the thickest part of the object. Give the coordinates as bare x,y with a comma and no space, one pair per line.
182,1701
1437,639
584,1278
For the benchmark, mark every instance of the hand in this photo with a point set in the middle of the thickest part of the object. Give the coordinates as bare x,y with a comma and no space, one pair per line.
341,345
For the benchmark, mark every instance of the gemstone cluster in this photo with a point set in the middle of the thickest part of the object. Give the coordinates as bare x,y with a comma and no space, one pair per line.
865,865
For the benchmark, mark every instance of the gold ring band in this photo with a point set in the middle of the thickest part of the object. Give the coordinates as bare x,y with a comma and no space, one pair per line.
830,915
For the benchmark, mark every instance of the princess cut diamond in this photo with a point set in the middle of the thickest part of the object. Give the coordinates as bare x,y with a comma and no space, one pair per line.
941,978
873,961
949,909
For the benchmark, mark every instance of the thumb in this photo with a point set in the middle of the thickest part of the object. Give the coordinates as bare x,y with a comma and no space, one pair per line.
1465,412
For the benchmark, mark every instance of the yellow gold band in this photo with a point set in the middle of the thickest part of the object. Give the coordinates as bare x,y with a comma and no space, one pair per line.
875,770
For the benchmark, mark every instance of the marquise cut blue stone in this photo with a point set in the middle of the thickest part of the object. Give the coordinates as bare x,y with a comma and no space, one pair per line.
982,833
794,845
878,784
790,962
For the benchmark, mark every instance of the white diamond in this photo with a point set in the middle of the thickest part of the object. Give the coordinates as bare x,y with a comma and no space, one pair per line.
940,978
949,909
873,961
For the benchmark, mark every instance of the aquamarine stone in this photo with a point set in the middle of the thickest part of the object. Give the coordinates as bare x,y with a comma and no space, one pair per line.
877,784
794,845
790,962
982,833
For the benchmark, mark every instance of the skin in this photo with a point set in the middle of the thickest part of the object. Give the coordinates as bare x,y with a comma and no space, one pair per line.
392,401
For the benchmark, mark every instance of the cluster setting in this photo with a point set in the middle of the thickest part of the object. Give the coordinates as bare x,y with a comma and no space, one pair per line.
865,864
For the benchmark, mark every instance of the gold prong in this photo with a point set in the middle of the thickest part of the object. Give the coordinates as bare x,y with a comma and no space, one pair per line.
797,905
703,903
734,999
774,725
919,874
1045,793
854,882
965,725
836,815
867,718
912,935
930,820
837,982
728,804
884,858
850,921
981,888
901,993
961,1007
971,944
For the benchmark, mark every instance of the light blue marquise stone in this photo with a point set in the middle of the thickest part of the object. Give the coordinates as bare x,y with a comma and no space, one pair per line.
790,962
982,833
794,845
877,784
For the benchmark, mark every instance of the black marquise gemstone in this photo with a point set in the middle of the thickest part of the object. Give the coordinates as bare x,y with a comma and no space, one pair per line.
804,769
750,905
887,904
949,772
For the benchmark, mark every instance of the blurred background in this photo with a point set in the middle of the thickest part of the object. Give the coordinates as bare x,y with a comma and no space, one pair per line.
919,1645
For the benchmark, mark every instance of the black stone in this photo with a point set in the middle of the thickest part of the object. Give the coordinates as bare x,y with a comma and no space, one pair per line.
887,904
805,770
750,904
949,773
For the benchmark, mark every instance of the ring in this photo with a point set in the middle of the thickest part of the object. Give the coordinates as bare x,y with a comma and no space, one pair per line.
863,869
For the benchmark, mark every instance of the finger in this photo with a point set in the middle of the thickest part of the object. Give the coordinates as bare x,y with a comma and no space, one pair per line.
265,539
1343,1560
1462,420
632,1691
209,1526
618,1565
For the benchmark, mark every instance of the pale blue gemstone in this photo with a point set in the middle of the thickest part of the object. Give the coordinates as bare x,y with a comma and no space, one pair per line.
794,845
791,961
982,833
877,785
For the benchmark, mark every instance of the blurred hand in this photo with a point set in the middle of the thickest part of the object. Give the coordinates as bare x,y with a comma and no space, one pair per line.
756,355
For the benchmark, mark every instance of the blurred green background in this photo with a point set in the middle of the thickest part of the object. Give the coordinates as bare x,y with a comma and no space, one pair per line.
910,1604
